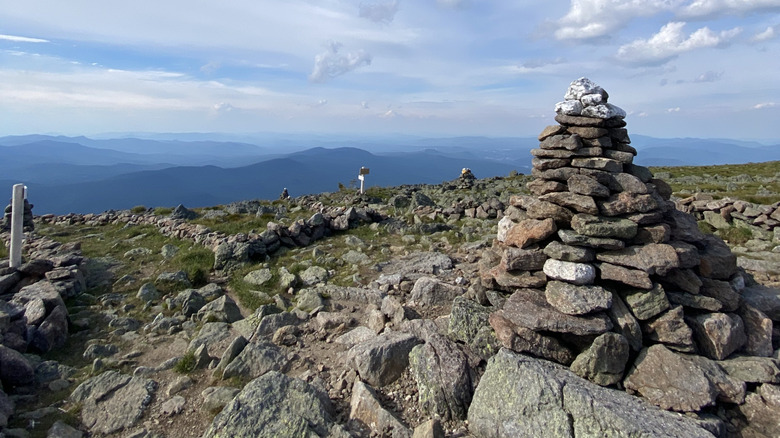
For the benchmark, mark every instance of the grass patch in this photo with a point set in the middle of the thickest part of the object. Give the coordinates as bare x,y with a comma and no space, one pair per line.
3,250
736,235
705,227
234,223
752,182
138,209
163,211
186,364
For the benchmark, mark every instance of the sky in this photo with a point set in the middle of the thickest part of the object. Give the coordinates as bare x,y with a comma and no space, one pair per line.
679,68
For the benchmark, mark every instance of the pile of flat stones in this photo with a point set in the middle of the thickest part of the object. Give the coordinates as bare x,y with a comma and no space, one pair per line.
604,275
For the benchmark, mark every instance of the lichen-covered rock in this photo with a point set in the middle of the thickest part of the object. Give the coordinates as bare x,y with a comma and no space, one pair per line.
604,361
444,378
522,396
254,360
367,411
276,406
112,401
577,300
718,334
382,360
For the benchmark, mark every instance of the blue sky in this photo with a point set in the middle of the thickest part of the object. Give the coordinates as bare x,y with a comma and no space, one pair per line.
680,68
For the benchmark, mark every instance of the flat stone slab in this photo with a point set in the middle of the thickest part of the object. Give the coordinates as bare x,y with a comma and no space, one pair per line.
601,226
577,300
529,308
520,396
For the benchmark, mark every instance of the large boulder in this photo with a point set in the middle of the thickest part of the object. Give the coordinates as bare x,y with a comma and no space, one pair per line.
382,360
112,401
444,378
679,382
276,406
254,360
526,397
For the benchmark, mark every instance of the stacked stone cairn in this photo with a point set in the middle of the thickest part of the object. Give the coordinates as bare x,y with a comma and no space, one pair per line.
607,277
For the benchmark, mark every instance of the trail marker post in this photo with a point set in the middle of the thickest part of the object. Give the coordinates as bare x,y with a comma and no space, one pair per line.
17,219
362,177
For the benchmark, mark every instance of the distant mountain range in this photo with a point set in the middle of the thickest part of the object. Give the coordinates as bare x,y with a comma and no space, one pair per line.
80,174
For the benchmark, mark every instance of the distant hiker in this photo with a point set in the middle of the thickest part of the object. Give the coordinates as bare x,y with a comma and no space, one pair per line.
284,194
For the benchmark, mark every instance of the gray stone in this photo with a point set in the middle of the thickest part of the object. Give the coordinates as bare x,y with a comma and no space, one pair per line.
524,340
528,308
765,299
148,293
258,277
600,226
721,291
585,185
254,360
604,361
758,329
671,330
356,336
761,416
429,429
579,203
625,323
430,291
717,260
223,309
627,203
652,258
752,369
416,263
216,397
112,402
52,333
530,259
173,280
367,411
568,253
382,360
571,237
683,279
645,304
63,430
520,396
467,317
444,378
308,300
668,380
630,277
15,369
577,300
314,275
276,406
691,301
718,334
575,273
190,301
211,334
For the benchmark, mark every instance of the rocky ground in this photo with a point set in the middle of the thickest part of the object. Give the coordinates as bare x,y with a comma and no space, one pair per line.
160,342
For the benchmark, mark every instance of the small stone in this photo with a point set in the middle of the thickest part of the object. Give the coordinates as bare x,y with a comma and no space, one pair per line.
645,304
718,334
671,330
568,253
530,231
576,273
631,277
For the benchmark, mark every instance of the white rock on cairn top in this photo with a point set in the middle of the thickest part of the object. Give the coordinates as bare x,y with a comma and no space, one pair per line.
585,98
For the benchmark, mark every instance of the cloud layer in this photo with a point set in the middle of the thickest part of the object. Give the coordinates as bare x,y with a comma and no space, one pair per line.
452,67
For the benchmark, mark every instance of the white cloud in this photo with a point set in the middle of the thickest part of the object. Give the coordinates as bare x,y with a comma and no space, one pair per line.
329,64
223,107
711,8
670,42
673,110
768,34
709,76
588,19
379,11
21,39
765,105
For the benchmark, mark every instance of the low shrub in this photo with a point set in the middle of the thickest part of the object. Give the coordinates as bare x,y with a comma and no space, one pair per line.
163,211
186,364
138,209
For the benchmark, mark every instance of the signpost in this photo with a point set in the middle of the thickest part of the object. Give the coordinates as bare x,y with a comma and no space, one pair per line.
362,177
17,220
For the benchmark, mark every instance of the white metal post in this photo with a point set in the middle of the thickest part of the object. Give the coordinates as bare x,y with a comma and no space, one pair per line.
17,219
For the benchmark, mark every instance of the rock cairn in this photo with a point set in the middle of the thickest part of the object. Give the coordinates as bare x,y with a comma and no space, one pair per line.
607,277
27,221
